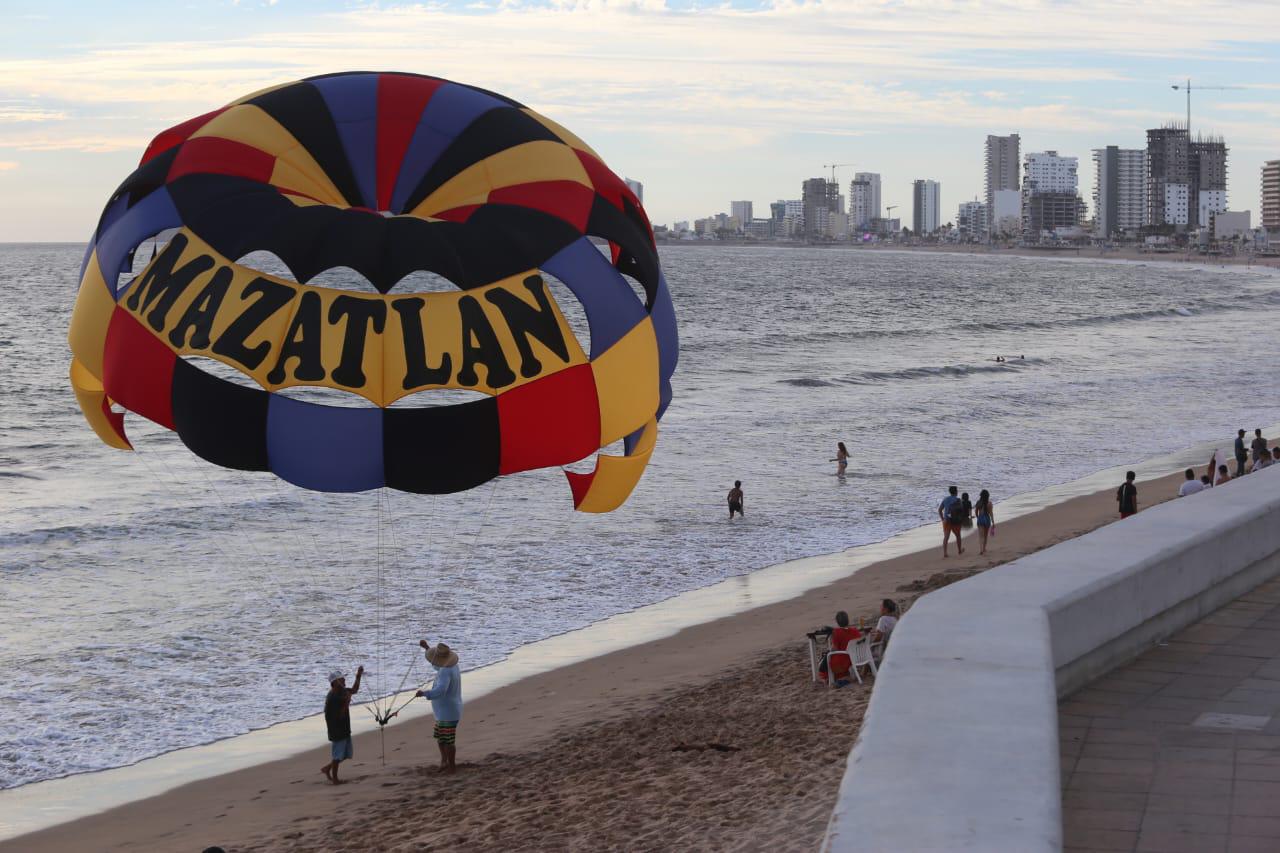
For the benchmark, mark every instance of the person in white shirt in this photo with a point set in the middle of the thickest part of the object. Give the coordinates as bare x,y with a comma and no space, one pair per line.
1192,485
884,627
1260,463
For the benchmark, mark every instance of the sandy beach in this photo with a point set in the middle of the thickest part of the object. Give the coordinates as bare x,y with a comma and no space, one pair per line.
589,756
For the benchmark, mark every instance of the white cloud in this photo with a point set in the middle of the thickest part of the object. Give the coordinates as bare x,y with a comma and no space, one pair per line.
17,113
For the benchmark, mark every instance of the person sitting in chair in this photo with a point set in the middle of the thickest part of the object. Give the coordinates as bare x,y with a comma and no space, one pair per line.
884,627
839,639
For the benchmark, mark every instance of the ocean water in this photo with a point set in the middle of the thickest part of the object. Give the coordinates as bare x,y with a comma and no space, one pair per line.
152,601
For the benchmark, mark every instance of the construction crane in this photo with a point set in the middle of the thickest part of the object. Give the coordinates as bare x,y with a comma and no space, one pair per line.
889,210
833,167
1187,87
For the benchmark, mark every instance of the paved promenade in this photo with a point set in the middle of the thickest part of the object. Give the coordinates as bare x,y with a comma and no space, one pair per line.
1180,749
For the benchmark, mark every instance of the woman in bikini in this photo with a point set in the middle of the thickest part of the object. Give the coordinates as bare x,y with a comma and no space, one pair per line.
842,458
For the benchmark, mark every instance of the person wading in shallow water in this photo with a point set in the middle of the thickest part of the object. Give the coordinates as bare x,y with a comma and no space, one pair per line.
736,500
337,719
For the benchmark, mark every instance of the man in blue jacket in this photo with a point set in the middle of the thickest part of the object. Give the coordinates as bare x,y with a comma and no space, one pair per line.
446,701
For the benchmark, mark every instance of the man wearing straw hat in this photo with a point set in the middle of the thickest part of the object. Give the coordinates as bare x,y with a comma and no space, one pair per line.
446,701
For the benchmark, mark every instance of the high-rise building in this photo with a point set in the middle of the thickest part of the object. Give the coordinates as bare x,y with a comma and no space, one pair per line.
1050,197
635,187
971,220
1186,178
1002,169
742,210
821,199
864,199
925,204
1005,219
1271,195
788,217
1119,190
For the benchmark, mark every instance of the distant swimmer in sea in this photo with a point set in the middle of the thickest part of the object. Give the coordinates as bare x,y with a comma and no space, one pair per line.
736,500
842,458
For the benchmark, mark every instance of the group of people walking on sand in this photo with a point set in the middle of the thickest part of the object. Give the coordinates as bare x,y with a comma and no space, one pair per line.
445,695
957,513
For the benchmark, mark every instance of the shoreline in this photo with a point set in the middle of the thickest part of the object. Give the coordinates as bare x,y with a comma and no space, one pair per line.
1083,253
577,675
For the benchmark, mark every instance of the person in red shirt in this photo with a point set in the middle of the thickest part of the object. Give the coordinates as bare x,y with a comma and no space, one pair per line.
840,638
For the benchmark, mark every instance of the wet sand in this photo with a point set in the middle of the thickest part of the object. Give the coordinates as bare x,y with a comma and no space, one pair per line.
582,757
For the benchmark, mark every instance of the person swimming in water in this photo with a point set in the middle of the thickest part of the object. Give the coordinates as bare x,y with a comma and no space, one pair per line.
841,459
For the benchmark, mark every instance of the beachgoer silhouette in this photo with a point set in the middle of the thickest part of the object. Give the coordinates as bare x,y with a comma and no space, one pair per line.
736,500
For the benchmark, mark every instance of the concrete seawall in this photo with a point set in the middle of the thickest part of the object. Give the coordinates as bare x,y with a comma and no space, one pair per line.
959,748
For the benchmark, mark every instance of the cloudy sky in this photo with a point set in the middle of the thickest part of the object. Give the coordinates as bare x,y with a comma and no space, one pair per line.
702,102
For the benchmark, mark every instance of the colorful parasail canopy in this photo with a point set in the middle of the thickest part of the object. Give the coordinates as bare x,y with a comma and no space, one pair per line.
385,174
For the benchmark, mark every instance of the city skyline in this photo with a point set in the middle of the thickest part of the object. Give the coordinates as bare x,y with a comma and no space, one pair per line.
744,102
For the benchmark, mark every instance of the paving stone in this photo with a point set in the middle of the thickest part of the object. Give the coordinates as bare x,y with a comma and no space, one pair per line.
1106,819
1099,839
1181,842
1254,806
1121,783
1093,749
1250,844
1121,736
1259,773
1266,827
1209,824
1198,804
1128,766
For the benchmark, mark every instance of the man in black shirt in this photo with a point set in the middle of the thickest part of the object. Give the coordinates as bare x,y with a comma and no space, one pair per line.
337,718
1127,495
1242,455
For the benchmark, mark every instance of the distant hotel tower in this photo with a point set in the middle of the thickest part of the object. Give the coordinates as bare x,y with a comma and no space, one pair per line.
1119,190
1003,165
864,199
1271,195
925,204
635,187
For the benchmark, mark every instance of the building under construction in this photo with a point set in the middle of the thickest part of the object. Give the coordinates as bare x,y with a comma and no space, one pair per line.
1186,178
821,200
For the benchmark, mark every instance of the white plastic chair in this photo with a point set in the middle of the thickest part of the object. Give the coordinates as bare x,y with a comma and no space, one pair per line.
859,654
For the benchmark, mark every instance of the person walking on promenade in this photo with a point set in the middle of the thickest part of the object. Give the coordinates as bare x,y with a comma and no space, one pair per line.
337,719
1259,446
1127,495
842,458
446,701
736,499
951,513
1191,486
1242,455
986,518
